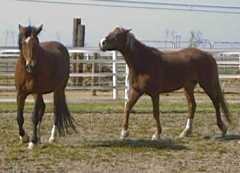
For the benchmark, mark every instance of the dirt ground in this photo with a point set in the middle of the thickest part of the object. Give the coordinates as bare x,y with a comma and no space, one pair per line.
96,147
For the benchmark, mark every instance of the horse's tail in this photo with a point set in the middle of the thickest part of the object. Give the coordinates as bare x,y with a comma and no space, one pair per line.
63,118
223,104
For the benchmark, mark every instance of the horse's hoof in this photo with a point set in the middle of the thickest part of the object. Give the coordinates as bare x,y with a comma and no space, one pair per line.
51,140
39,141
30,145
224,133
24,139
124,134
155,137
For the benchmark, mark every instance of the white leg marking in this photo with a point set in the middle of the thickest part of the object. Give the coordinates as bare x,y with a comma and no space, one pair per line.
189,124
188,129
30,145
24,139
124,134
53,134
155,137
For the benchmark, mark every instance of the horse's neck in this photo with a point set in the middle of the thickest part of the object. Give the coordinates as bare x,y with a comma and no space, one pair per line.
21,57
134,56
37,52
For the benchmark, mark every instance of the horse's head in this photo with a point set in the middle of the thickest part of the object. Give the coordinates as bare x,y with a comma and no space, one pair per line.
115,40
29,48
26,31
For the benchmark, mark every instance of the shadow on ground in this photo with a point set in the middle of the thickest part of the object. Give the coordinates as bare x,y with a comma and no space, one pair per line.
137,143
228,137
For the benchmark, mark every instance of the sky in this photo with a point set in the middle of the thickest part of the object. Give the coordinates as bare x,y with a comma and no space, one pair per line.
145,24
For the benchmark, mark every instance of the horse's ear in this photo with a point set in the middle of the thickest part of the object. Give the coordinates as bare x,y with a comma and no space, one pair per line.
39,29
128,30
20,28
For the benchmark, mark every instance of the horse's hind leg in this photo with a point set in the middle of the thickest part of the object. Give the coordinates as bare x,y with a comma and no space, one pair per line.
62,117
37,115
189,92
56,112
20,119
155,102
211,91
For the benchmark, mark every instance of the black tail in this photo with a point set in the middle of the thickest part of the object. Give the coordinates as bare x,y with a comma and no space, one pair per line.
223,103
63,119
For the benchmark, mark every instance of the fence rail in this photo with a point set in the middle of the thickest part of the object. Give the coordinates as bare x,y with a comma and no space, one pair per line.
92,69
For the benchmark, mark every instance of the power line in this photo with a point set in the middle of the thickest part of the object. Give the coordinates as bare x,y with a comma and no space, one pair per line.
169,4
177,7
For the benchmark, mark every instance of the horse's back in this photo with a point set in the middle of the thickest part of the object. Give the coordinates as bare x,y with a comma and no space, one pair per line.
187,54
187,65
57,54
55,48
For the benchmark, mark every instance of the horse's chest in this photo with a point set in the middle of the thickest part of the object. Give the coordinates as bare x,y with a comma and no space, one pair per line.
29,85
40,83
143,83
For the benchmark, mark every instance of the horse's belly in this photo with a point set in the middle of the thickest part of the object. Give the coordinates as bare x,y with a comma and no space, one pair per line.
170,85
44,86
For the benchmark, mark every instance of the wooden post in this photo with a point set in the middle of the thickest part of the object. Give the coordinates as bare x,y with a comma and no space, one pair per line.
78,33
78,41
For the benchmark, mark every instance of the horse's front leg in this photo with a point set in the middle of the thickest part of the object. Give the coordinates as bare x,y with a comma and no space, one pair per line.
37,115
155,102
24,138
132,99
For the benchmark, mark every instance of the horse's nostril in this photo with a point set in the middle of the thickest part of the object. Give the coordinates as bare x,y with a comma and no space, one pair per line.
29,68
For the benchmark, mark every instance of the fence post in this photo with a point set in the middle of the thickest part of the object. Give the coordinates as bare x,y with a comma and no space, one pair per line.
126,90
114,71
94,92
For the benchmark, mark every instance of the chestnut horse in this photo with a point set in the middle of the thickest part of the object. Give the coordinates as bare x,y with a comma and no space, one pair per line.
41,68
153,72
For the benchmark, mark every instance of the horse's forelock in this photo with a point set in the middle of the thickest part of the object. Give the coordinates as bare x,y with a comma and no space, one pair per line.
30,29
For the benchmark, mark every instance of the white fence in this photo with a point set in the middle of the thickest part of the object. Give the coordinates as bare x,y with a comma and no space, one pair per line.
228,62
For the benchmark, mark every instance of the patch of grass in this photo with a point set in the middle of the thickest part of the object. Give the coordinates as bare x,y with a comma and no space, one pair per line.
118,107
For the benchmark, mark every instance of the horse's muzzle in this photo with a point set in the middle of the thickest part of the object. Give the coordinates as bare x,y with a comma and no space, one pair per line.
29,68
101,47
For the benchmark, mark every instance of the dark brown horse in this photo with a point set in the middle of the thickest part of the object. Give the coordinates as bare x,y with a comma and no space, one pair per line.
153,72
41,68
